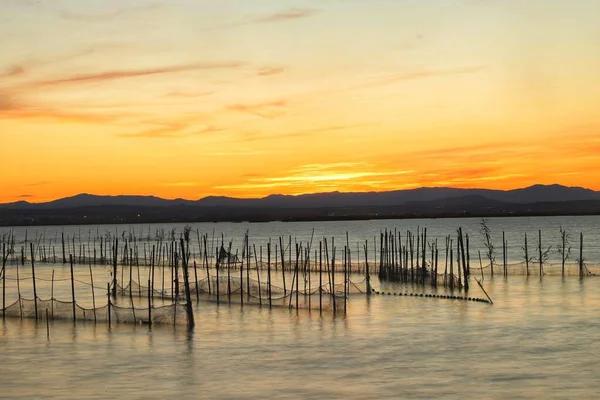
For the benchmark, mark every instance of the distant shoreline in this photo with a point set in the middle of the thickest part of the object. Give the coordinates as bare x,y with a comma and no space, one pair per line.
141,220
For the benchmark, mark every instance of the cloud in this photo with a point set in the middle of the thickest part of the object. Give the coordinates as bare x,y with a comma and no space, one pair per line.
65,14
40,183
280,16
125,74
7,102
257,136
269,109
18,112
179,184
268,71
174,130
323,175
25,196
295,13
188,95
13,71
415,75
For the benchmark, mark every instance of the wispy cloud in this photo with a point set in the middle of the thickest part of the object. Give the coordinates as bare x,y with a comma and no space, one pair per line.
13,71
280,16
268,71
99,17
188,95
416,75
295,13
268,109
179,184
124,74
40,183
322,175
25,196
258,136
174,130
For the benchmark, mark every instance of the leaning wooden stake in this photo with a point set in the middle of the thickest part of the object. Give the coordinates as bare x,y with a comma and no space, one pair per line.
73,288
93,294
486,295
33,277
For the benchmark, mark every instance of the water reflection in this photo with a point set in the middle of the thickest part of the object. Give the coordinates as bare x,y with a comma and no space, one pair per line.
538,340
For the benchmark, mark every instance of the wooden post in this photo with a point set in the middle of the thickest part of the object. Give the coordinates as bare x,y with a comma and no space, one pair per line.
73,288
526,256
244,253
196,284
63,248
52,295
333,277
217,271
186,280
93,294
504,253
149,303
464,262
205,261
283,263
368,276
47,326
581,254
269,271
108,304
564,239
4,257
540,253
257,276
115,257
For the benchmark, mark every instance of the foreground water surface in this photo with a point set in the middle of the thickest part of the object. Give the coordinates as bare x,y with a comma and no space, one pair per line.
539,340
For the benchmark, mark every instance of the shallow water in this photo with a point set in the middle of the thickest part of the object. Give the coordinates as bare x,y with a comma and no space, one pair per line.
540,339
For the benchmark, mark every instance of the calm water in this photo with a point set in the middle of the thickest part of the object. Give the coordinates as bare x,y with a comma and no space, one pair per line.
540,340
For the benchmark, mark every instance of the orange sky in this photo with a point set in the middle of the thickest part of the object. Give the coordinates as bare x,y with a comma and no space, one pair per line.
194,98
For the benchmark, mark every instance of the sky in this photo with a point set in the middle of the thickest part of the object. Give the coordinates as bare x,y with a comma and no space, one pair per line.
245,98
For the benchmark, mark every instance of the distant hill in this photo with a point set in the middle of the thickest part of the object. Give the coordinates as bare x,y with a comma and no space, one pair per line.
532,194
417,203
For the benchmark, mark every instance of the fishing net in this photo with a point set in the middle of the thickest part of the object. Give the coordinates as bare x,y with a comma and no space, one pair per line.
254,292
62,310
533,268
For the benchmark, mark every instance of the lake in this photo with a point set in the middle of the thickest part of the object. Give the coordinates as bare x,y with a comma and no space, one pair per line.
540,338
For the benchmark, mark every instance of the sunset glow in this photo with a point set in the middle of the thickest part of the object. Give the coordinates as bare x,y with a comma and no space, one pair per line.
186,98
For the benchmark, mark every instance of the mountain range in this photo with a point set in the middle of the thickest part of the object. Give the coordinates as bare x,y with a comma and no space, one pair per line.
421,202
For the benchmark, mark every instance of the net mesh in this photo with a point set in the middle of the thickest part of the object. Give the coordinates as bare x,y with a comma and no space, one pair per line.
253,292
63,310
